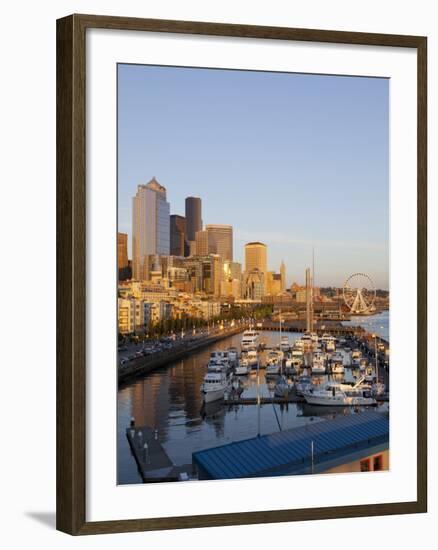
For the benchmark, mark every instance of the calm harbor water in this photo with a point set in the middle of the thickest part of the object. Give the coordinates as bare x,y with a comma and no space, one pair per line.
378,323
169,400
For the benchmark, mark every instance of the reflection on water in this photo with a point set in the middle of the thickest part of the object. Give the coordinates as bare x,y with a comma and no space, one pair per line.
169,400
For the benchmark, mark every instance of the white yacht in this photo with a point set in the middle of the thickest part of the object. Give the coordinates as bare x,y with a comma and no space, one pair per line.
307,341
369,374
233,355
243,367
274,362
337,364
213,387
250,339
333,394
356,356
284,343
318,364
253,359
299,345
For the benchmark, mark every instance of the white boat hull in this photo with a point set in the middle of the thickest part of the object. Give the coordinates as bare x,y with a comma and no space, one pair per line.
318,370
212,395
341,401
242,370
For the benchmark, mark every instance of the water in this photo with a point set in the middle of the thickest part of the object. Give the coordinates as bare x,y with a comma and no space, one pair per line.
169,400
378,324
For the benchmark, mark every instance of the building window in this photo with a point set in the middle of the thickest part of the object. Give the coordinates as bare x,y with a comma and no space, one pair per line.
378,463
365,465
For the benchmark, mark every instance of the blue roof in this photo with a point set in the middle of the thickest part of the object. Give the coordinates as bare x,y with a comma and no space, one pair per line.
288,452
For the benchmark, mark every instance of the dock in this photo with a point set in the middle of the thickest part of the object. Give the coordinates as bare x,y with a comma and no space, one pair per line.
264,400
153,463
144,365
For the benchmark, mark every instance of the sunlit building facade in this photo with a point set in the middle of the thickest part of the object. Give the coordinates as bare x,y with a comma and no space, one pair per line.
150,225
256,257
220,240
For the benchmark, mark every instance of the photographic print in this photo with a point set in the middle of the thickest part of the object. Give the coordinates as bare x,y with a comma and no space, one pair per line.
253,294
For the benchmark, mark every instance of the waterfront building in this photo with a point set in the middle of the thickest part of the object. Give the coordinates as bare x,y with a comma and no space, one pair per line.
256,257
178,244
351,443
125,315
150,225
193,217
220,240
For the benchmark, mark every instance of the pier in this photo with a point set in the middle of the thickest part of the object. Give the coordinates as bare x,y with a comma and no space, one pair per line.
144,365
153,463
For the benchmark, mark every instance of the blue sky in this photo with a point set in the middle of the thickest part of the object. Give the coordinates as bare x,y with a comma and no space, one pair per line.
295,161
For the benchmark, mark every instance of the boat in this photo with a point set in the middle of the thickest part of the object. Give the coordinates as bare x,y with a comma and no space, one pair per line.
282,388
213,387
333,394
363,363
303,384
284,343
274,363
337,364
250,340
253,359
369,374
233,355
318,363
307,341
330,344
356,356
299,345
243,367
292,363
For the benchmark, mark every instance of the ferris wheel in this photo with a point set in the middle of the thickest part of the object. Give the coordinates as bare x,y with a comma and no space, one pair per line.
359,293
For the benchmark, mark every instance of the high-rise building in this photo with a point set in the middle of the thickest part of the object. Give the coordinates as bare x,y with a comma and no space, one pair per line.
283,276
193,217
177,235
150,224
256,257
122,256
221,240
203,243
122,250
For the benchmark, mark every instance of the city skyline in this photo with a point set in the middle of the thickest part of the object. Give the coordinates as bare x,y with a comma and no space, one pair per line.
348,229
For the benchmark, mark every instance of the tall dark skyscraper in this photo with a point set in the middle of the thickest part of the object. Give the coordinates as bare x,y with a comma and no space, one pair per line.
177,235
193,217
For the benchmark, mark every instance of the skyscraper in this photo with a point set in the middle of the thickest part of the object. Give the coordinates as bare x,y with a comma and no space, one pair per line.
203,244
221,240
256,257
193,217
122,256
122,251
177,235
150,225
283,276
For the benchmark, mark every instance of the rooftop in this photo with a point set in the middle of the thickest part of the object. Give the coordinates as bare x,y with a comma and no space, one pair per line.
288,452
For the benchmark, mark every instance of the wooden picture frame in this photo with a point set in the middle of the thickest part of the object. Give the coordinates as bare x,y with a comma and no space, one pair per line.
71,273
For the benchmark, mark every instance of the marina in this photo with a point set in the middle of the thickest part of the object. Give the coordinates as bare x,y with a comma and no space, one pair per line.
249,400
